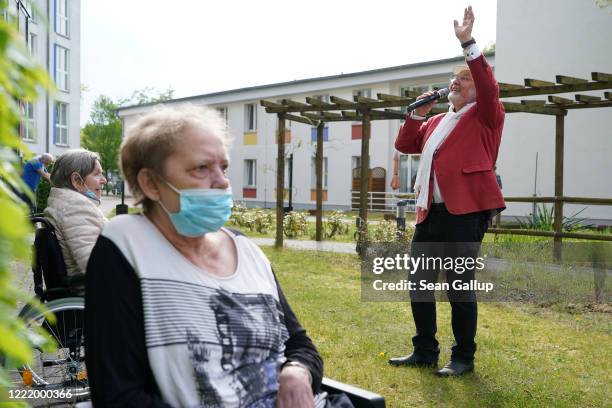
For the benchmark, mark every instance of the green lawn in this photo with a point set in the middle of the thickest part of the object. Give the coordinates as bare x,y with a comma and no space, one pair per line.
528,356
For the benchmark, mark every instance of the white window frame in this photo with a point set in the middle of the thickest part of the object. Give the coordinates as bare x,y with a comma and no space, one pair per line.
31,11
29,133
62,64
409,165
250,117
250,171
313,174
33,44
61,123
62,21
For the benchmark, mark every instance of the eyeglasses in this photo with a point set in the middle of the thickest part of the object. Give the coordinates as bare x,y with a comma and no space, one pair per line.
461,78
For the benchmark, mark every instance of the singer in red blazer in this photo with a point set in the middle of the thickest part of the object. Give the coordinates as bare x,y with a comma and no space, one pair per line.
465,162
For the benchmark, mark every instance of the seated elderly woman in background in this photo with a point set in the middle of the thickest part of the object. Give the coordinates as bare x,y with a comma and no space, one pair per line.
179,310
72,207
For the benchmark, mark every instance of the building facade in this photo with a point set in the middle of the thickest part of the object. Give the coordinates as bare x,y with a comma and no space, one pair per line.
52,31
555,37
574,41
254,149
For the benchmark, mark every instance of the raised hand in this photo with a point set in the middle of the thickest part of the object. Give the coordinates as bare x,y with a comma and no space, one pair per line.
464,31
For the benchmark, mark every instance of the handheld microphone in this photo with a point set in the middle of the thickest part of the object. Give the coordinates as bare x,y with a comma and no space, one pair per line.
441,93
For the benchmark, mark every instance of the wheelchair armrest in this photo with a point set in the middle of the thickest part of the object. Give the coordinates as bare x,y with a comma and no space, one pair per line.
76,280
56,293
359,397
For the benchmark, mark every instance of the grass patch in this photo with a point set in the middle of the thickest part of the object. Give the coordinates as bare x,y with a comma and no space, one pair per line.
528,356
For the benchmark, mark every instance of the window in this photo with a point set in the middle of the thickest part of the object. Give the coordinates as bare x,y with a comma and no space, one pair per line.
33,44
250,173
61,68
356,162
322,98
61,17
30,131
367,92
31,11
60,120
250,117
222,110
437,87
313,134
420,89
409,166
313,174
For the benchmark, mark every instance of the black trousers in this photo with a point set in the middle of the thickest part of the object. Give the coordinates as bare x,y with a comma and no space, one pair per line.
443,235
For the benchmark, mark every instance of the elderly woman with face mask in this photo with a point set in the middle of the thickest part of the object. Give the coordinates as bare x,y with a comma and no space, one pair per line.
179,310
72,208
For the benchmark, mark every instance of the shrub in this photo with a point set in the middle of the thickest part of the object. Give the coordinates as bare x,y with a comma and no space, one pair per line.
335,225
544,218
295,224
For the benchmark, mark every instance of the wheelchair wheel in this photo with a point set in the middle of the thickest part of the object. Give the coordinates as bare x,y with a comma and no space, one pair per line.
60,376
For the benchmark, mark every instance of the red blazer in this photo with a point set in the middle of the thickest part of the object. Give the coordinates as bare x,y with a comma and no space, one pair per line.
465,162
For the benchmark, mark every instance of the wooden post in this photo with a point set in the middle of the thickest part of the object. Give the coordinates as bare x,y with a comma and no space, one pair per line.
319,171
558,221
280,182
365,167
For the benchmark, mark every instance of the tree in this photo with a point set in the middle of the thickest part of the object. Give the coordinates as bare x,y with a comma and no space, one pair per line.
21,80
102,134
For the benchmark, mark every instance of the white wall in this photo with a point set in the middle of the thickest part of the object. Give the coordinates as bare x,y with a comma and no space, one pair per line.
44,56
540,39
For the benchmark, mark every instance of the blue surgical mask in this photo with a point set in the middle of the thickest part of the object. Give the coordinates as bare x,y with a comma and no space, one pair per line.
202,210
88,193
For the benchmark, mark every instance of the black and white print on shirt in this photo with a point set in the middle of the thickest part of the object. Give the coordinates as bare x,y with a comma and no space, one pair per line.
235,341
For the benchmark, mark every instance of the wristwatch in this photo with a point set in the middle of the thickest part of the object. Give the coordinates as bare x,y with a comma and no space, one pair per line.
293,363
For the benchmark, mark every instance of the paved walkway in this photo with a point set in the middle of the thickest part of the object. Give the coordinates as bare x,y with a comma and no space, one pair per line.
327,246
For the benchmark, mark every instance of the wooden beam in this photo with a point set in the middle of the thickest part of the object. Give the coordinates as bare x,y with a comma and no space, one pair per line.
317,102
293,104
364,99
536,83
349,114
388,97
319,183
412,94
331,115
587,98
340,101
533,102
518,107
559,100
269,104
601,77
301,119
280,182
506,87
602,104
312,116
590,86
568,80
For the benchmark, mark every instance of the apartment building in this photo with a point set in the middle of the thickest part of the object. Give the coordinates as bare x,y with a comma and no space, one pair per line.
253,154
52,31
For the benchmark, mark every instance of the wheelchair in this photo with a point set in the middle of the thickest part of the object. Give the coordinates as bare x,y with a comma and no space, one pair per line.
61,373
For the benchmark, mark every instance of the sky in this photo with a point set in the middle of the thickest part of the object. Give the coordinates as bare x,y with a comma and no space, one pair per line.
202,46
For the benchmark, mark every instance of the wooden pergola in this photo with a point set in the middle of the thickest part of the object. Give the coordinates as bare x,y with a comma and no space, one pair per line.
315,112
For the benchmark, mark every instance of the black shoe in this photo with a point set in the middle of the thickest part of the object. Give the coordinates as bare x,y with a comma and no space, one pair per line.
413,360
455,368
